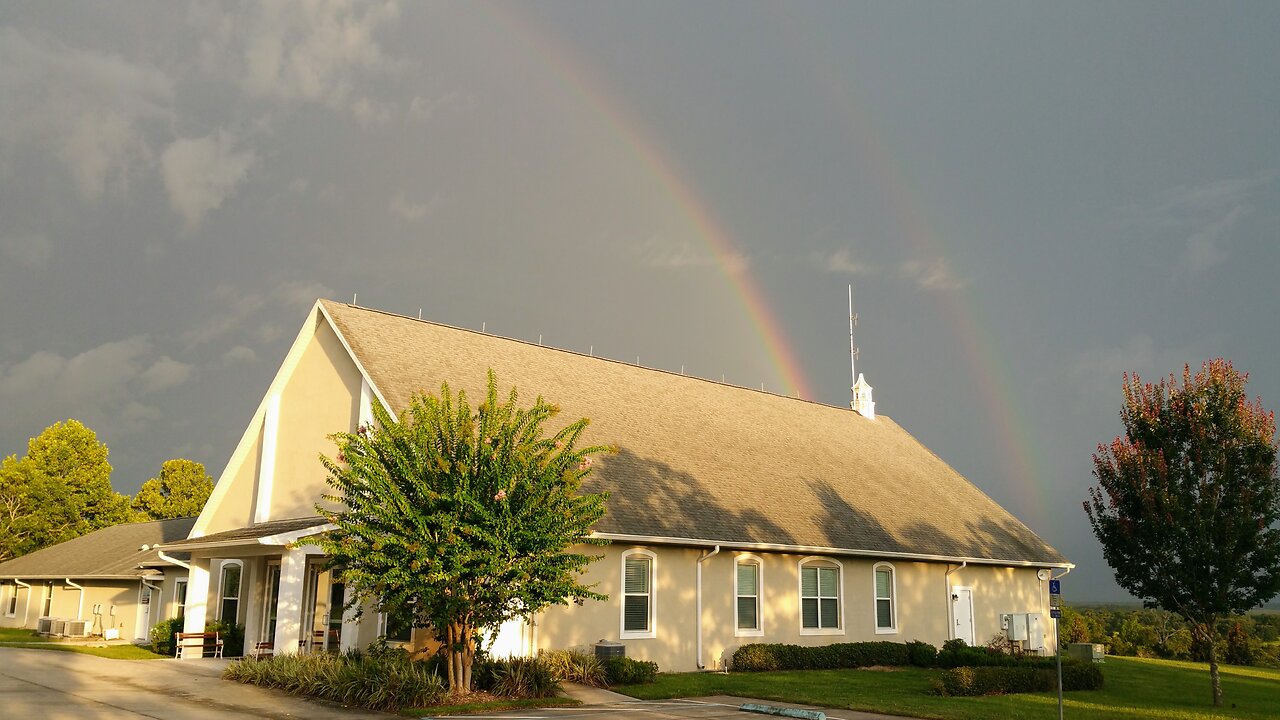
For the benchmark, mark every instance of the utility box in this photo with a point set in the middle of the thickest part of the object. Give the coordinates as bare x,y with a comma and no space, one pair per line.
1087,652
606,649
1017,627
1035,632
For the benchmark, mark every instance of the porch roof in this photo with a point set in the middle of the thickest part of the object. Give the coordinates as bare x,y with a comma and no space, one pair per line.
272,532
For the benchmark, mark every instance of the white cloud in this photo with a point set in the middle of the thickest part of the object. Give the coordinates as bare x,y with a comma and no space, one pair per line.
413,211
935,274
841,261
88,108
311,52
1202,217
239,354
682,256
201,173
102,386
165,373
32,251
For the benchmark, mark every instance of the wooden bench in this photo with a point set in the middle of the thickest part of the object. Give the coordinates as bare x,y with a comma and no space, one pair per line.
264,650
185,641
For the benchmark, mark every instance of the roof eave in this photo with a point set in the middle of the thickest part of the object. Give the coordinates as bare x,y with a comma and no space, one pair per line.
820,550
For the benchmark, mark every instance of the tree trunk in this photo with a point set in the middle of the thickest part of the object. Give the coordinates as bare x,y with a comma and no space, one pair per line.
1214,679
448,643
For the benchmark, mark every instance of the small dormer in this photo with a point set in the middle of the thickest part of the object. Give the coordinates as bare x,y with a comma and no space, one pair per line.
862,402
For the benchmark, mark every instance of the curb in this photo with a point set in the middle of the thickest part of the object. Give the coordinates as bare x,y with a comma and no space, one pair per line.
783,711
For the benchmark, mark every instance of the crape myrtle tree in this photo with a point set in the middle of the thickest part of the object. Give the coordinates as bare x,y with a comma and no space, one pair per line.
1188,498
460,518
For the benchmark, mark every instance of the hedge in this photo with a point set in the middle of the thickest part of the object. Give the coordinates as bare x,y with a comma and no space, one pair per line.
1004,680
777,656
629,671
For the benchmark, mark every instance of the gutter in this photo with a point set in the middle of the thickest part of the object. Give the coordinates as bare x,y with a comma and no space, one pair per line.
26,609
161,554
951,607
698,618
821,550
80,607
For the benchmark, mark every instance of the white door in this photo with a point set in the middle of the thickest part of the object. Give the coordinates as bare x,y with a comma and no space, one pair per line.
962,613
144,607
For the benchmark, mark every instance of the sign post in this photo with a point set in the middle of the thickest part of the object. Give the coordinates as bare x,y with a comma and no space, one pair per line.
1055,610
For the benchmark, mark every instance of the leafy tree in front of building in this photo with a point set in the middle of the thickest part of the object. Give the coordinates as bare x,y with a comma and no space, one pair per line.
180,490
1188,500
61,489
462,519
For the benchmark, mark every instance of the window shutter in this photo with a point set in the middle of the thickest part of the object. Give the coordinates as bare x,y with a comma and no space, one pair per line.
747,579
636,613
809,612
809,582
637,575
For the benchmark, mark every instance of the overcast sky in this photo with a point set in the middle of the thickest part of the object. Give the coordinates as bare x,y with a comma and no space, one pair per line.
1029,199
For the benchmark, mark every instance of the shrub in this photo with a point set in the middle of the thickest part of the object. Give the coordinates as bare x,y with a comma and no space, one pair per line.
776,656
629,671
516,677
232,637
162,635
576,666
964,681
1078,676
922,654
378,683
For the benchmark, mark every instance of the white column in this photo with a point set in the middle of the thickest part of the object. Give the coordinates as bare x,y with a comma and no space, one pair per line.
197,599
289,610
267,464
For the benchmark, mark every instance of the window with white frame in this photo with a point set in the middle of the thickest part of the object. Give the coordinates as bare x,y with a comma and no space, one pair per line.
180,598
819,597
46,607
11,603
886,617
229,591
638,613
747,581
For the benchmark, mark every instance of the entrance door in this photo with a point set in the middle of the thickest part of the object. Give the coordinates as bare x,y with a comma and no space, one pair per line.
270,604
333,631
310,597
962,613
144,608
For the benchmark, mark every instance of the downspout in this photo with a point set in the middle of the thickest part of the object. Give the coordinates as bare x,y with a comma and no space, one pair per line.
80,607
698,610
161,554
26,609
951,607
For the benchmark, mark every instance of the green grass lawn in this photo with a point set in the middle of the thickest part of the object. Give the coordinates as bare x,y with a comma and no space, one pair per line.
1135,689
29,639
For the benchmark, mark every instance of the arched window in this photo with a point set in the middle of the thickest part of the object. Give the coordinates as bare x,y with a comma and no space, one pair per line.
229,591
885,592
748,587
639,611
820,611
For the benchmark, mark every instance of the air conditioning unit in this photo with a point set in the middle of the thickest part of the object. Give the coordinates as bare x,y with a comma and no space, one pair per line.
75,628
606,649
58,626
44,625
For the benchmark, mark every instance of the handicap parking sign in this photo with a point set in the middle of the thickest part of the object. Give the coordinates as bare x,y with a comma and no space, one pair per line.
1055,587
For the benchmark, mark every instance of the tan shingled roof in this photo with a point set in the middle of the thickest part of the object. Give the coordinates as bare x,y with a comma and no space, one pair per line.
112,552
708,461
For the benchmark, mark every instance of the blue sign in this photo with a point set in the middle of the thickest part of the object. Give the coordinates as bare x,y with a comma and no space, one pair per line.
1055,612
1055,587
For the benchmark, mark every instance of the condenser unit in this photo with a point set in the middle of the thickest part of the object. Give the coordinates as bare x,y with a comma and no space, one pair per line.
44,625
58,626
75,628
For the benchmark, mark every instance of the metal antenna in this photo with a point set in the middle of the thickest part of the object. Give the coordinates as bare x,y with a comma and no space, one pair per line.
353,298
539,339
853,351
592,351
419,313
483,325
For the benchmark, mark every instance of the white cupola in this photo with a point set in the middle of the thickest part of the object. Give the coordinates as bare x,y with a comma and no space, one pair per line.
862,402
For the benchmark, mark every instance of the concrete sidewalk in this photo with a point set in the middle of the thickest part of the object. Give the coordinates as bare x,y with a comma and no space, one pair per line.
72,686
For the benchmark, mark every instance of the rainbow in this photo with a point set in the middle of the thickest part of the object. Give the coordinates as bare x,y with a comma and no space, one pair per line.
685,197
1021,458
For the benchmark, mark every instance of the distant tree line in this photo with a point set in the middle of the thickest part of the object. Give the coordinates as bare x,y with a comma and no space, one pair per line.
61,489
1252,639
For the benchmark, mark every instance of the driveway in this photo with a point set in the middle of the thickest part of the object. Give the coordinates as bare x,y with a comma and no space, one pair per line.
72,686
719,707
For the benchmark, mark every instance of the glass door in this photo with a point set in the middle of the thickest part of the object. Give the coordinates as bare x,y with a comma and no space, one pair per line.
337,596
270,604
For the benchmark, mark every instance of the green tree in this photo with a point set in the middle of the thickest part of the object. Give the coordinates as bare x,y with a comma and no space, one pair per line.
1188,499
60,490
180,490
462,519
